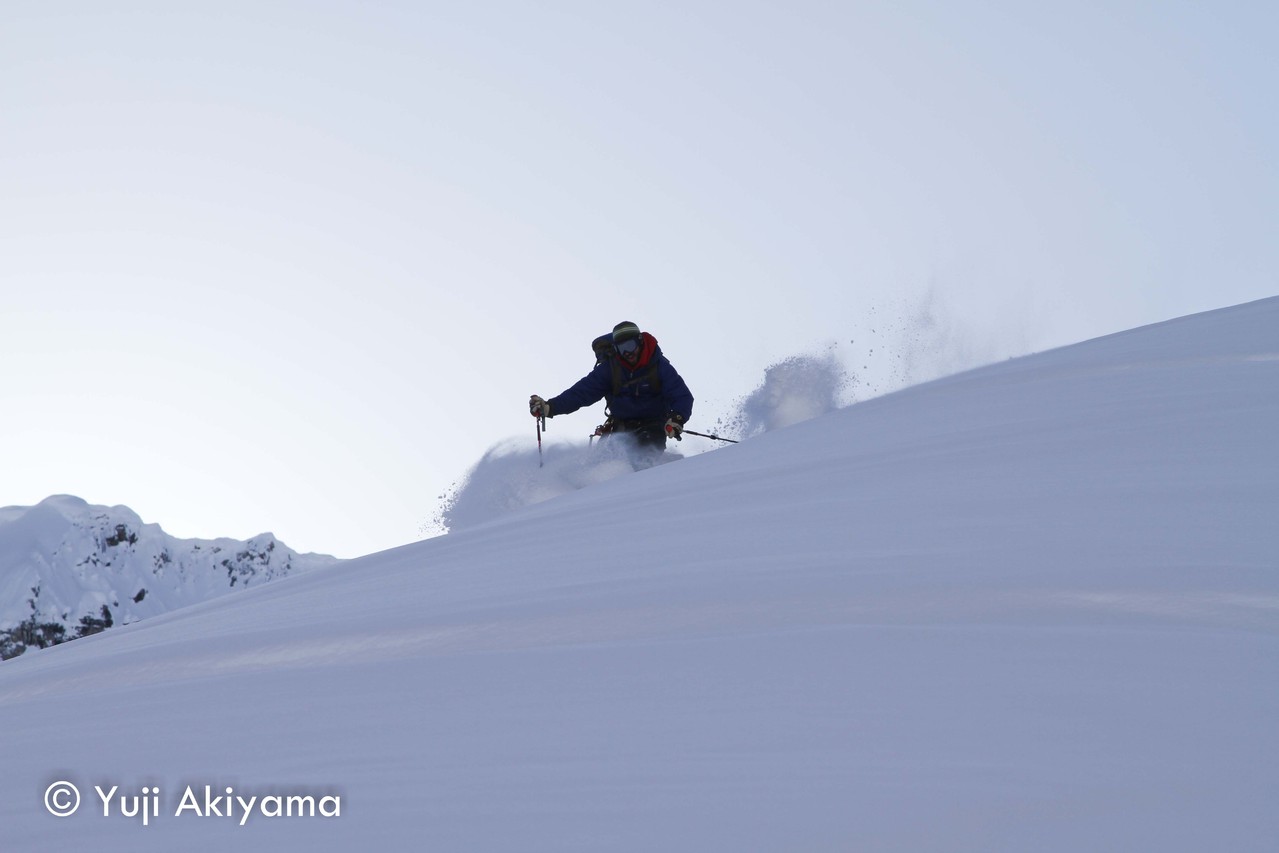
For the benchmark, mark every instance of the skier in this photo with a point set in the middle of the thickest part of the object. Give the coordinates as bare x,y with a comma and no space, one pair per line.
644,395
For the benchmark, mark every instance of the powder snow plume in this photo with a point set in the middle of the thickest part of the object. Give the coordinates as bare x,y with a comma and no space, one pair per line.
795,389
921,338
508,477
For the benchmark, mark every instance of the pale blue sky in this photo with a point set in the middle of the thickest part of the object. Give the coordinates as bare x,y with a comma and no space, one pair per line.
294,266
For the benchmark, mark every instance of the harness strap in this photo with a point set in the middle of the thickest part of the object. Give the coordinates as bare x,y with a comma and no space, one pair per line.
651,376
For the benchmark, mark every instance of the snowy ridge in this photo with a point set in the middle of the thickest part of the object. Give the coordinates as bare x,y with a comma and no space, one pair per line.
1034,606
67,567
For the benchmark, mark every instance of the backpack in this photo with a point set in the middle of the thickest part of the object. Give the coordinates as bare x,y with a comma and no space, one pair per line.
603,347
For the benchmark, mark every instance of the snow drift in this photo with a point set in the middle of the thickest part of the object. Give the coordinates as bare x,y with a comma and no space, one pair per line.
1033,606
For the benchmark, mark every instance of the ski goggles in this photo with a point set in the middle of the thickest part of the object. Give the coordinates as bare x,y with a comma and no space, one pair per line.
628,346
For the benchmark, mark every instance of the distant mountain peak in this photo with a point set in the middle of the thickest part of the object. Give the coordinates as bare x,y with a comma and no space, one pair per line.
69,568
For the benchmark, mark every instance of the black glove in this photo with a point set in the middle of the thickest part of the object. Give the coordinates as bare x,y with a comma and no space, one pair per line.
675,427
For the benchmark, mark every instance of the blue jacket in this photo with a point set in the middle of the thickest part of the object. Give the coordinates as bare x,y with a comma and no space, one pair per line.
650,391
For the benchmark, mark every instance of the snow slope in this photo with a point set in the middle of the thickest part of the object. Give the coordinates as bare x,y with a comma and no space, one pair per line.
1030,607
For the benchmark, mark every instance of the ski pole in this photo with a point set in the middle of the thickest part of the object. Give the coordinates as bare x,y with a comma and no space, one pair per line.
541,425
716,437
